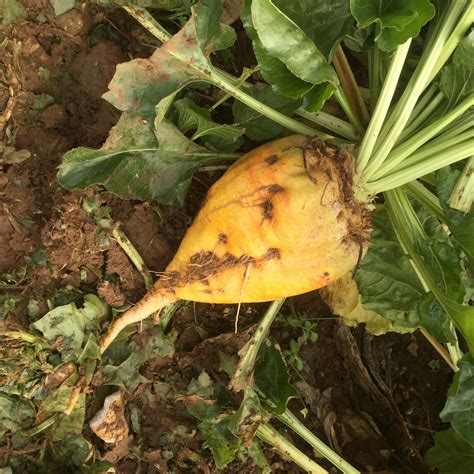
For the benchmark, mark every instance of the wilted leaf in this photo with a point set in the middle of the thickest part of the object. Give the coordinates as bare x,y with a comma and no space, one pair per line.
272,378
11,10
140,84
67,325
397,21
126,375
62,6
343,297
11,156
15,413
133,166
459,408
73,450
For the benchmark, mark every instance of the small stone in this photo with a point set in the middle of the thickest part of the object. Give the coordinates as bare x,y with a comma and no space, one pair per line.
109,423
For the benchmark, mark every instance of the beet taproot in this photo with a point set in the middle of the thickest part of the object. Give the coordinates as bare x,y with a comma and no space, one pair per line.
280,222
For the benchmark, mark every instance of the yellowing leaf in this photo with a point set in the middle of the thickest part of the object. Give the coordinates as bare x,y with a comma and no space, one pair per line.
343,297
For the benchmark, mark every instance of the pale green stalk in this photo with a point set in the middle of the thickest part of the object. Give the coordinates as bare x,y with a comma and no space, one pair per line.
427,199
427,112
271,436
423,102
291,421
416,141
336,125
249,352
346,106
238,83
404,176
383,103
456,36
463,193
433,150
374,73
415,87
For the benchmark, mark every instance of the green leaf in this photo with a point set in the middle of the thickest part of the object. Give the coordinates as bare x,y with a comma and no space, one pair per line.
11,10
434,318
191,117
460,224
282,38
282,80
441,256
459,408
132,165
272,378
386,280
396,21
126,375
210,33
451,454
326,22
464,52
68,325
15,413
456,81
317,96
256,126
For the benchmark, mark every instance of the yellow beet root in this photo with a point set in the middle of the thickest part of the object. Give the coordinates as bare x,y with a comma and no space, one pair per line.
281,221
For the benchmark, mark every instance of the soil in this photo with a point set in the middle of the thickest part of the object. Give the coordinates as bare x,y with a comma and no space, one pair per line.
375,400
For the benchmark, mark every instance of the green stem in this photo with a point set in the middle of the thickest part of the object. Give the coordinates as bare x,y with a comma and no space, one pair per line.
426,198
219,80
145,19
416,85
433,150
346,106
416,141
238,83
374,74
271,436
336,125
381,109
291,421
422,103
427,112
456,36
133,255
463,193
249,352
410,173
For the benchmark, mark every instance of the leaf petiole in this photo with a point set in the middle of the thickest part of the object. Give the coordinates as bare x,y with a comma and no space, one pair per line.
292,422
